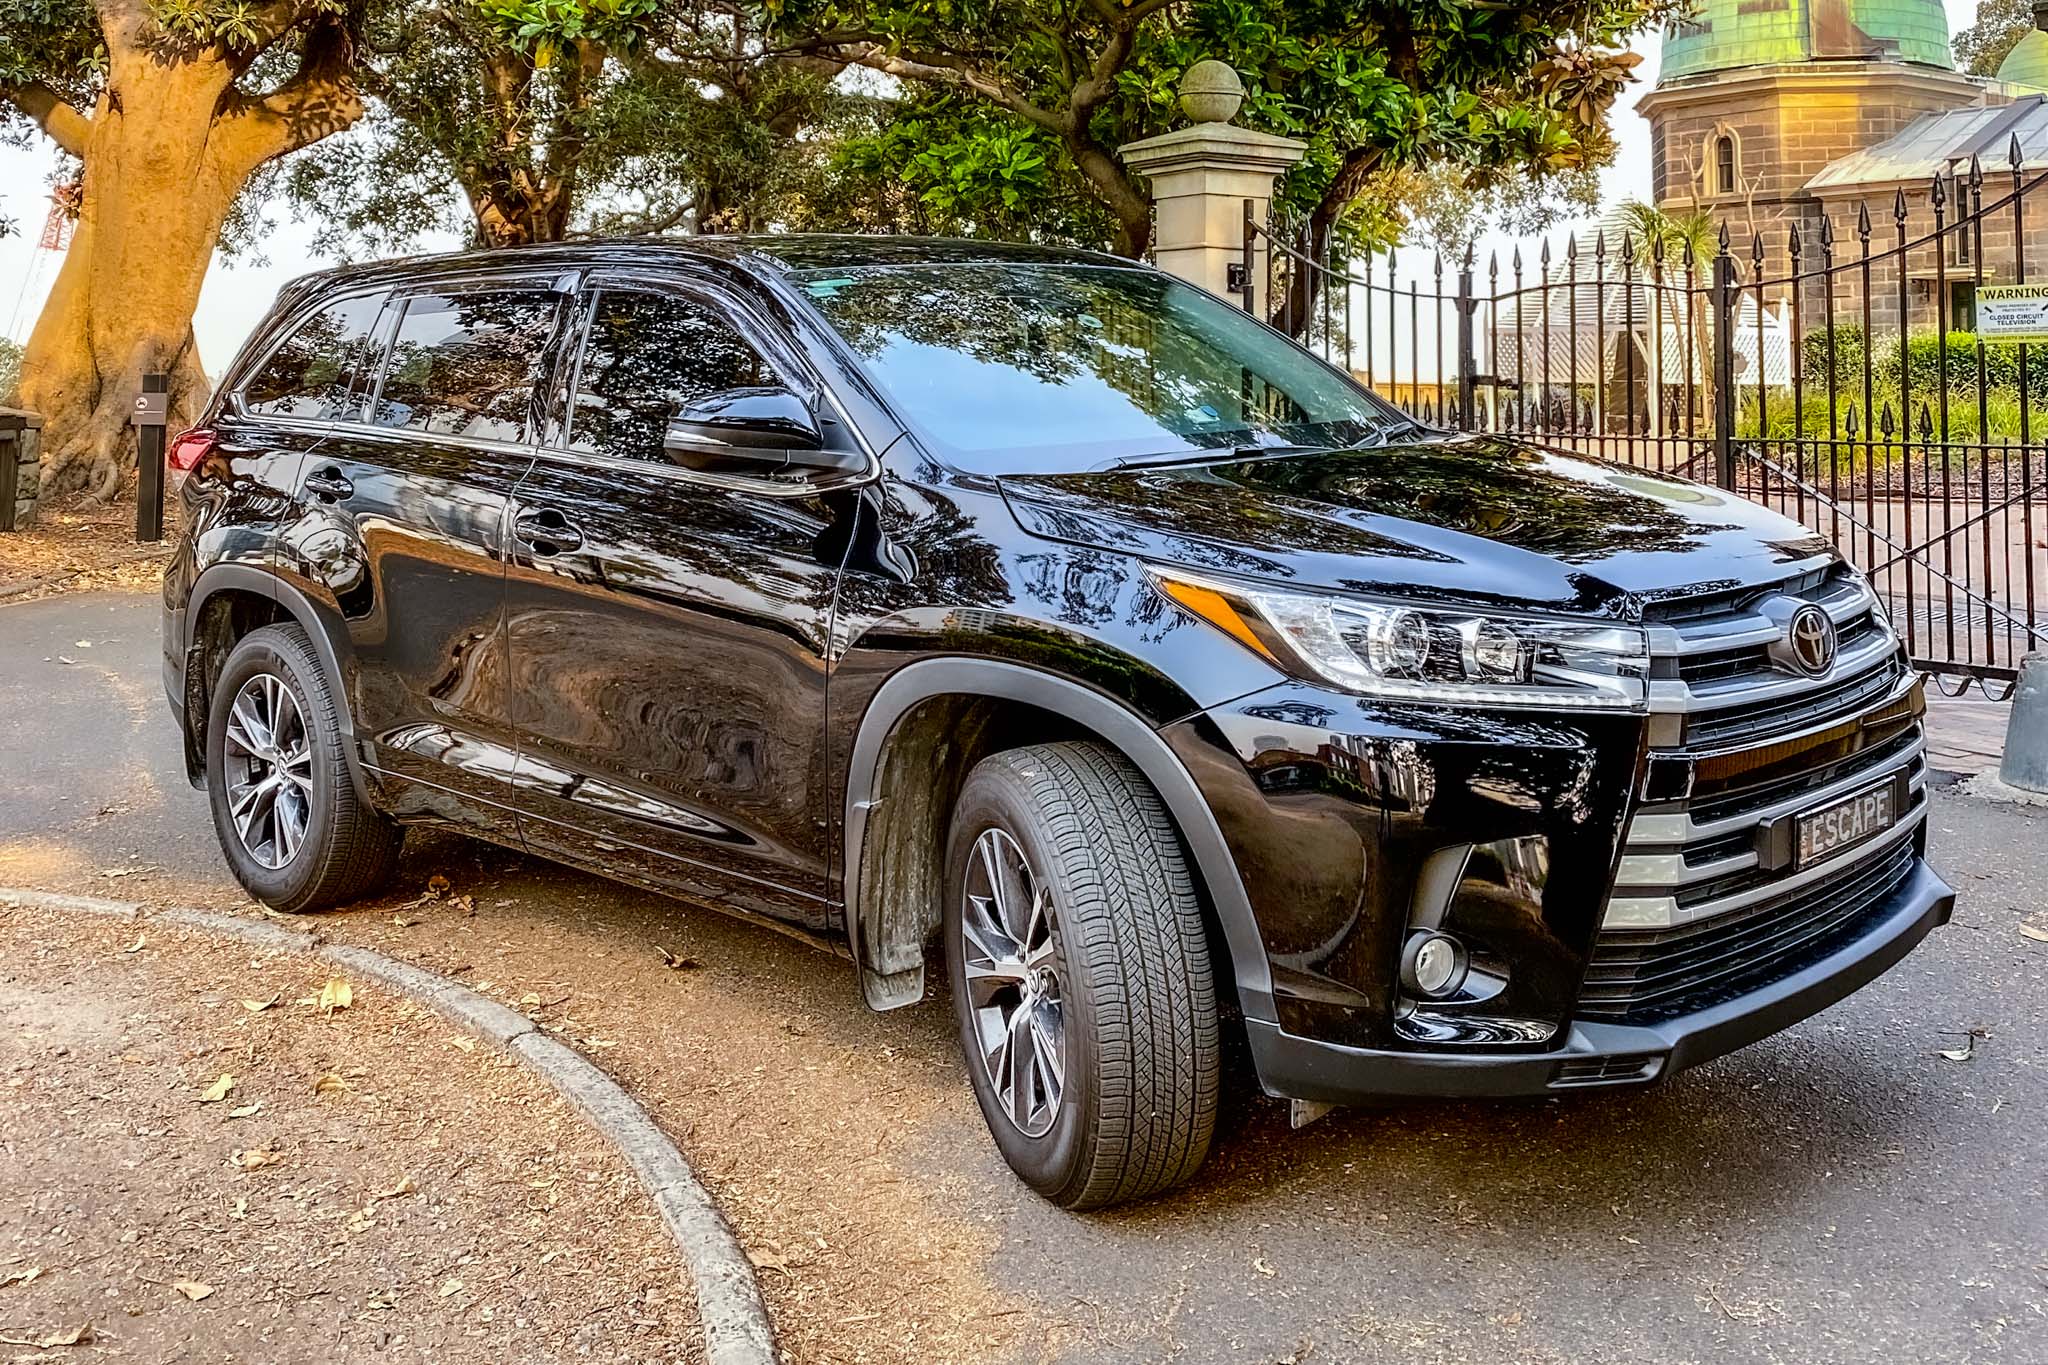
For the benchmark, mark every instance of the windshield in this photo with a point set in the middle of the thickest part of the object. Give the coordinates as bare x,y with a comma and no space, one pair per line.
1009,368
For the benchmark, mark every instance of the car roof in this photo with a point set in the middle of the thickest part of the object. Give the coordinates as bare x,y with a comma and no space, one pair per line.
761,256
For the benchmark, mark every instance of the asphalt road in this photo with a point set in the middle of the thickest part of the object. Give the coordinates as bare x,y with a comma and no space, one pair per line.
1841,1192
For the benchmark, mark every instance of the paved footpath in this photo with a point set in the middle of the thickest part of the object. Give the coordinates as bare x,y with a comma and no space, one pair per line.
1840,1193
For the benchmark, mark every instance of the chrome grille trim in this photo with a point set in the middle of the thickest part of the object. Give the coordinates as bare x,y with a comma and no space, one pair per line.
1678,828
1693,882
1843,599
1677,695
1666,912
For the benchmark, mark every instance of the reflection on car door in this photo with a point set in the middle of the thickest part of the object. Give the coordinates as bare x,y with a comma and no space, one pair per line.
667,633
281,411
411,503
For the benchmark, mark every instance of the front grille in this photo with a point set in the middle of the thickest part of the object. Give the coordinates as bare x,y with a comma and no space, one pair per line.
1737,724
1702,909
1641,977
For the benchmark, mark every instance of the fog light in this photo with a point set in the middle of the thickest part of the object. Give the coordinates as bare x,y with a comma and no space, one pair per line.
1433,965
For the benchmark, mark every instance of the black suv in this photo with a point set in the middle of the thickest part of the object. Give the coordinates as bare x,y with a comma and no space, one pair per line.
1043,614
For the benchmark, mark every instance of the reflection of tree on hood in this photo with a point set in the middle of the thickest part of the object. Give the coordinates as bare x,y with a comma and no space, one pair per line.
1497,490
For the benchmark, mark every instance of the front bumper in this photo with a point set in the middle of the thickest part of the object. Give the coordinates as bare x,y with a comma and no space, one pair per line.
1603,1054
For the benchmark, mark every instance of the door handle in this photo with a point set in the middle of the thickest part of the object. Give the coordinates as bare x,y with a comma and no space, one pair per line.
329,483
546,531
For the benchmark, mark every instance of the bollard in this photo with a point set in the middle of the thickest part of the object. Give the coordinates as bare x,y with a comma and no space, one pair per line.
2025,764
152,411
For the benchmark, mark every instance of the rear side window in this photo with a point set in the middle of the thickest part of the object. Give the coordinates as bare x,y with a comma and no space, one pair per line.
466,364
313,375
647,355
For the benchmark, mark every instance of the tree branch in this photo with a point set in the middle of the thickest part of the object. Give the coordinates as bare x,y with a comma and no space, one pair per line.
63,124
943,69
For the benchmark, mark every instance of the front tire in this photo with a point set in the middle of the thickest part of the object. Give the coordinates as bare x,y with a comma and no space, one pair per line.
295,833
1081,977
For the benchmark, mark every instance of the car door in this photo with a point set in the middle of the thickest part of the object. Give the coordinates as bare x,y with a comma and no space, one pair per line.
405,513
667,628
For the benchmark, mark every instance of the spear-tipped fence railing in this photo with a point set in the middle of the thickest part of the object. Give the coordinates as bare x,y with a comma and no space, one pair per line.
1848,389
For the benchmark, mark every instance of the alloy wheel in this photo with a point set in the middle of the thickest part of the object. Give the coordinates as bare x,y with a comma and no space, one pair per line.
1011,960
269,770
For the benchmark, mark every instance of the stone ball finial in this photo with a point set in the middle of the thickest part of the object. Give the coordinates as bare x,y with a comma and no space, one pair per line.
1210,92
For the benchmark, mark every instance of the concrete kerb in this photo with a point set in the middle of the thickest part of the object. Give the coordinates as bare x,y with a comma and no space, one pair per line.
731,1315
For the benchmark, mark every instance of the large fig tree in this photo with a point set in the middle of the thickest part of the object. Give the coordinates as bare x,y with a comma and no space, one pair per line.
1487,90
168,109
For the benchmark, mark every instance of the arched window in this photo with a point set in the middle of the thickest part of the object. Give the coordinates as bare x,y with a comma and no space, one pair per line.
1724,164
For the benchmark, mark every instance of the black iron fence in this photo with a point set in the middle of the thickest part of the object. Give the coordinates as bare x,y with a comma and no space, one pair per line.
1833,370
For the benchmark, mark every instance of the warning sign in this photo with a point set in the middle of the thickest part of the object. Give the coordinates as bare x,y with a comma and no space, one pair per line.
2012,312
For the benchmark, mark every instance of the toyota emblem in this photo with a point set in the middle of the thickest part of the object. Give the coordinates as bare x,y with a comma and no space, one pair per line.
1811,637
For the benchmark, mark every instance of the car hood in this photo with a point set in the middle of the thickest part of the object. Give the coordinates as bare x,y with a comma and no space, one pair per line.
1479,521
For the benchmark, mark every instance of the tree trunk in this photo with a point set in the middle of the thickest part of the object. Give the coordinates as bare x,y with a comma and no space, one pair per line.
155,196
169,146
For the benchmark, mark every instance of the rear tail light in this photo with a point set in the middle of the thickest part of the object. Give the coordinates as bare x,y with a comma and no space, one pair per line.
190,447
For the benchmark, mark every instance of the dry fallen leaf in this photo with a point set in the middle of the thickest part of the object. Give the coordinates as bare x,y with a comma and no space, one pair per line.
403,1187
247,1111
451,1287
335,995
256,1158
329,1083
1262,1265
465,1044
2038,935
81,1335
218,1090
258,1006
600,1042
193,1289
402,922
140,939
20,1276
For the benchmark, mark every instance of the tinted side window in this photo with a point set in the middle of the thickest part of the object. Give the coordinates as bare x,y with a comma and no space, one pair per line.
647,356
314,372
465,364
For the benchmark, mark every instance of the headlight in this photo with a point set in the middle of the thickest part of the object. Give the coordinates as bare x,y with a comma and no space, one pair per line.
1436,654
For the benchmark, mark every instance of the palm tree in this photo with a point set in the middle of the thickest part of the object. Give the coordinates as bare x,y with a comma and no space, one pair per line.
1689,239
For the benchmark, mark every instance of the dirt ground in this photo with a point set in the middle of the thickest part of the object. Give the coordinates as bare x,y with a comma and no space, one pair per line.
82,547
205,1163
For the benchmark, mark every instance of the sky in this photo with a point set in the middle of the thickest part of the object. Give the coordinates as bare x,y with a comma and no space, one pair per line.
237,293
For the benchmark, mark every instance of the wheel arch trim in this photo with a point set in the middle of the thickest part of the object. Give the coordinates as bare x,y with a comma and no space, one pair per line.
1112,722
297,605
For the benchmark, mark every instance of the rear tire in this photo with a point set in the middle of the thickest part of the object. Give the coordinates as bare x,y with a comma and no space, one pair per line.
1083,992
295,833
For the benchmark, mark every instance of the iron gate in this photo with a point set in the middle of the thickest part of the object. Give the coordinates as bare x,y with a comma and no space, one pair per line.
1831,373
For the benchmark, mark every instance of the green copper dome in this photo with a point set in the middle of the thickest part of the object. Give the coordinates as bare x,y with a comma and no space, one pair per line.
1726,34
2027,64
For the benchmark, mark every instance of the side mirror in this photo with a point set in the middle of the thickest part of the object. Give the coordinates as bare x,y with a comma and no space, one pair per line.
755,430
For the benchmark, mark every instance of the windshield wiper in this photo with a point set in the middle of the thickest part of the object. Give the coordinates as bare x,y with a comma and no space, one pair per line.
1407,426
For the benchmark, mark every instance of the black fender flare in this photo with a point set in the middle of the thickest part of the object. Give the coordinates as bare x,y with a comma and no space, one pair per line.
315,622
1118,726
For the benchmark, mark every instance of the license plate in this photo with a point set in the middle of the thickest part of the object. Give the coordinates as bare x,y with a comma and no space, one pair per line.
1823,833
